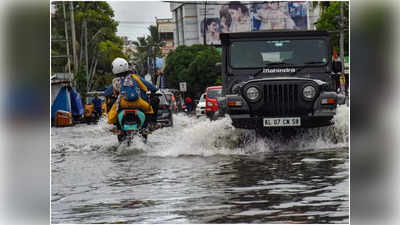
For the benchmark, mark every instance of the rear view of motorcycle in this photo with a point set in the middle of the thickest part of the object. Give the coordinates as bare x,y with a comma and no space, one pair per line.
130,121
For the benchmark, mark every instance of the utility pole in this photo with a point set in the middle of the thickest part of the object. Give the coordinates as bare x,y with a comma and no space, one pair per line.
73,37
66,38
86,57
154,64
81,47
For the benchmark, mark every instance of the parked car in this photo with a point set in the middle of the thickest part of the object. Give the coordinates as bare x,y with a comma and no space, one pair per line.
201,106
164,114
212,93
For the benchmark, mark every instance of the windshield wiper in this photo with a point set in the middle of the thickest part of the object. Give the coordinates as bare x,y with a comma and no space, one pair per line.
305,65
269,65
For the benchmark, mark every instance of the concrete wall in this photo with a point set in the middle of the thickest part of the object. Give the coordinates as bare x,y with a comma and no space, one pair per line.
190,26
185,24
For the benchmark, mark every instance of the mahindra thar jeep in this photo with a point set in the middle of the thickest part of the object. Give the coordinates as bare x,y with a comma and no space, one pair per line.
279,79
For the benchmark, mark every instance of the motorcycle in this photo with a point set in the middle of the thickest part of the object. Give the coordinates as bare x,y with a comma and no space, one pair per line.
131,122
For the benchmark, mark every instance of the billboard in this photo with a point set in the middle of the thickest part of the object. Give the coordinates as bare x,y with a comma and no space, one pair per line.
214,19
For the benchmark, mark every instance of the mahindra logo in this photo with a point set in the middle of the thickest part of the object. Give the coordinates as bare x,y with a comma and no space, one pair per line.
280,70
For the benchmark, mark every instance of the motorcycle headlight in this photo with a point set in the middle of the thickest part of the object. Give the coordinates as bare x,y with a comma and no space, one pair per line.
252,93
309,92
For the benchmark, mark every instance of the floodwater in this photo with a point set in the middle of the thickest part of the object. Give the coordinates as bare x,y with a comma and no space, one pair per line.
200,172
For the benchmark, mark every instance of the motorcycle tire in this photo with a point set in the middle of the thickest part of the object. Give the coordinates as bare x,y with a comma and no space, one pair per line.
121,138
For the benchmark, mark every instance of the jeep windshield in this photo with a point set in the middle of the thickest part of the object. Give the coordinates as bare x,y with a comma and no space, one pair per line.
259,53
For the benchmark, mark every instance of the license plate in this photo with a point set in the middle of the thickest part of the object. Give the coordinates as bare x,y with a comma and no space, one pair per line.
282,122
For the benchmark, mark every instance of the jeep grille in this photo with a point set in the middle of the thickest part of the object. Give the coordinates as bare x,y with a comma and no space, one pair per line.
281,99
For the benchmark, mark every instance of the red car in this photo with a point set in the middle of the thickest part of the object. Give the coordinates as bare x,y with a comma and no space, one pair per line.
211,100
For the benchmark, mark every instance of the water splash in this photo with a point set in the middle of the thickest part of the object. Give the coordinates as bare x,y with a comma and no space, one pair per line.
200,137
206,138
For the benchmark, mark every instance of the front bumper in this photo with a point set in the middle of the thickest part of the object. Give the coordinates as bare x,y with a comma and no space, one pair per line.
247,121
244,117
200,112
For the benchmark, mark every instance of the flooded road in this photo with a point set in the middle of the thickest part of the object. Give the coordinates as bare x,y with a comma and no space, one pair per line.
200,172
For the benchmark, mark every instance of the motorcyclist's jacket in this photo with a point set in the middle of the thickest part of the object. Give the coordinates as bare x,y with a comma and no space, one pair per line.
132,95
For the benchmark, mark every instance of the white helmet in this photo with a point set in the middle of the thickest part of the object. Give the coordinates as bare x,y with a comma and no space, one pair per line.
119,65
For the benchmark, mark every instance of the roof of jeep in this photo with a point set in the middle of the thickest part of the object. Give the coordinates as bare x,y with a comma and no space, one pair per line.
272,33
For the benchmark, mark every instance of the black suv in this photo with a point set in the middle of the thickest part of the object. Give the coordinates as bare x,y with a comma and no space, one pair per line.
279,79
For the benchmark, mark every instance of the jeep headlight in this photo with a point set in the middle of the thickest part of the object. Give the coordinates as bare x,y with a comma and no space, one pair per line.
309,92
252,93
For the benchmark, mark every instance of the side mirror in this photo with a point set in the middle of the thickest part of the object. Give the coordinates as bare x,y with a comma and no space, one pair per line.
218,67
337,66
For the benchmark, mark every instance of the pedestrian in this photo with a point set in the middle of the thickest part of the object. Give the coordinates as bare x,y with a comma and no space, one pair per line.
97,106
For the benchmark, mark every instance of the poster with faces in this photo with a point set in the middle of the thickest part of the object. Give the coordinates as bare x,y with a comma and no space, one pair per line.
214,19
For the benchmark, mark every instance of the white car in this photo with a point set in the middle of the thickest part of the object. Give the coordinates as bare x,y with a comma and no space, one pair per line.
201,106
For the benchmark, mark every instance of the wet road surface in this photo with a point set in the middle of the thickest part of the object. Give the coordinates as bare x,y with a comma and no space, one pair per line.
200,172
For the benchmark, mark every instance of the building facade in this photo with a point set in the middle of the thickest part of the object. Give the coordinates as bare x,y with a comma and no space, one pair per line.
202,22
166,31
184,16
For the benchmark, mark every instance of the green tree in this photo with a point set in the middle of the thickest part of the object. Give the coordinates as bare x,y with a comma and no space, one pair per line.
330,21
194,65
103,43
147,48
154,40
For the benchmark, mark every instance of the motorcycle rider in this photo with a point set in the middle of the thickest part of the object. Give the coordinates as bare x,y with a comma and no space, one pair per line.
131,91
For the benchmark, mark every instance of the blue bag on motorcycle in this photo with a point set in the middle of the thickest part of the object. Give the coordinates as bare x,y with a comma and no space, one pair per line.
130,89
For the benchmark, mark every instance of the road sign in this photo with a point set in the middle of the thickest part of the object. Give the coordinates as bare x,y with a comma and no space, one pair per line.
182,86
